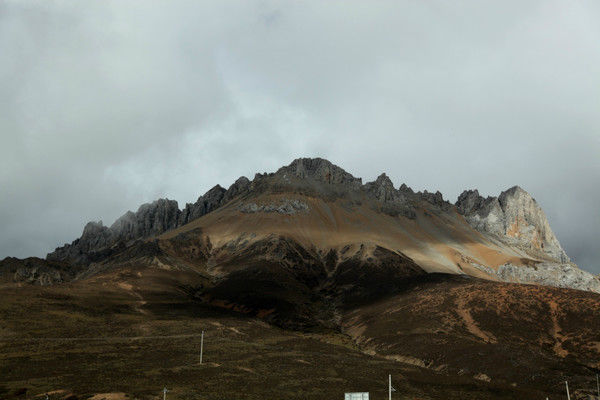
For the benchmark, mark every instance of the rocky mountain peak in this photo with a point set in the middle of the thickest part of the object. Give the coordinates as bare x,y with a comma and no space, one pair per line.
384,180
525,220
382,189
515,217
515,194
94,234
514,190
405,189
240,186
320,170
215,192
93,228
468,201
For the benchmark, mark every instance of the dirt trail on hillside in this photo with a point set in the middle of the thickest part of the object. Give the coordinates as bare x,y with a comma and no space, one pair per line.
556,331
464,312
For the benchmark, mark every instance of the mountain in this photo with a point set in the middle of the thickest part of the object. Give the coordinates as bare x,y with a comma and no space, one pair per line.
311,283
505,238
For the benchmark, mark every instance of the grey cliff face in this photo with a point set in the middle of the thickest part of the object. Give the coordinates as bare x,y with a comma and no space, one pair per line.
515,218
206,203
239,187
95,235
484,214
150,219
525,221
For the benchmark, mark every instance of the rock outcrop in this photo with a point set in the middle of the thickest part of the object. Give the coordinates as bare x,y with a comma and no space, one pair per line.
546,274
95,236
392,201
435,198
238,188
515,218
484,214
149,220
286,206
206,203
35,271
382,189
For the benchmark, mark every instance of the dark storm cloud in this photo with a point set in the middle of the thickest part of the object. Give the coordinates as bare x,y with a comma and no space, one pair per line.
105,105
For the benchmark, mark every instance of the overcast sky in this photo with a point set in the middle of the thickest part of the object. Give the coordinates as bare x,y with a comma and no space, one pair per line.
106,105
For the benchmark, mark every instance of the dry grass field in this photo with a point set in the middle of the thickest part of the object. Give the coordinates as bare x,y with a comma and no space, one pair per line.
128,334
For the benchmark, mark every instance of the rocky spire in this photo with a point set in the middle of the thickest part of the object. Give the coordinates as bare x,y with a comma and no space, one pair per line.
239,187
382,189
150,219
206,203
515,217
434,198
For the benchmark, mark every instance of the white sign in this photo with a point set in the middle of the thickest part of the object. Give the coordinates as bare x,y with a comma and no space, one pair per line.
356,396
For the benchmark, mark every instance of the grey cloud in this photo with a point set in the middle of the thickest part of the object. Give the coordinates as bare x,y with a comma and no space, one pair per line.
105,105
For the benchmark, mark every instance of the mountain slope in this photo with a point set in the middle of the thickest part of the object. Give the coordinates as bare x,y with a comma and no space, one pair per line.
136,329
496,331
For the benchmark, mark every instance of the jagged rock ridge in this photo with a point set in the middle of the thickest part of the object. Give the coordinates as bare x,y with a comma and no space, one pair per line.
513,218
150,220
302,174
